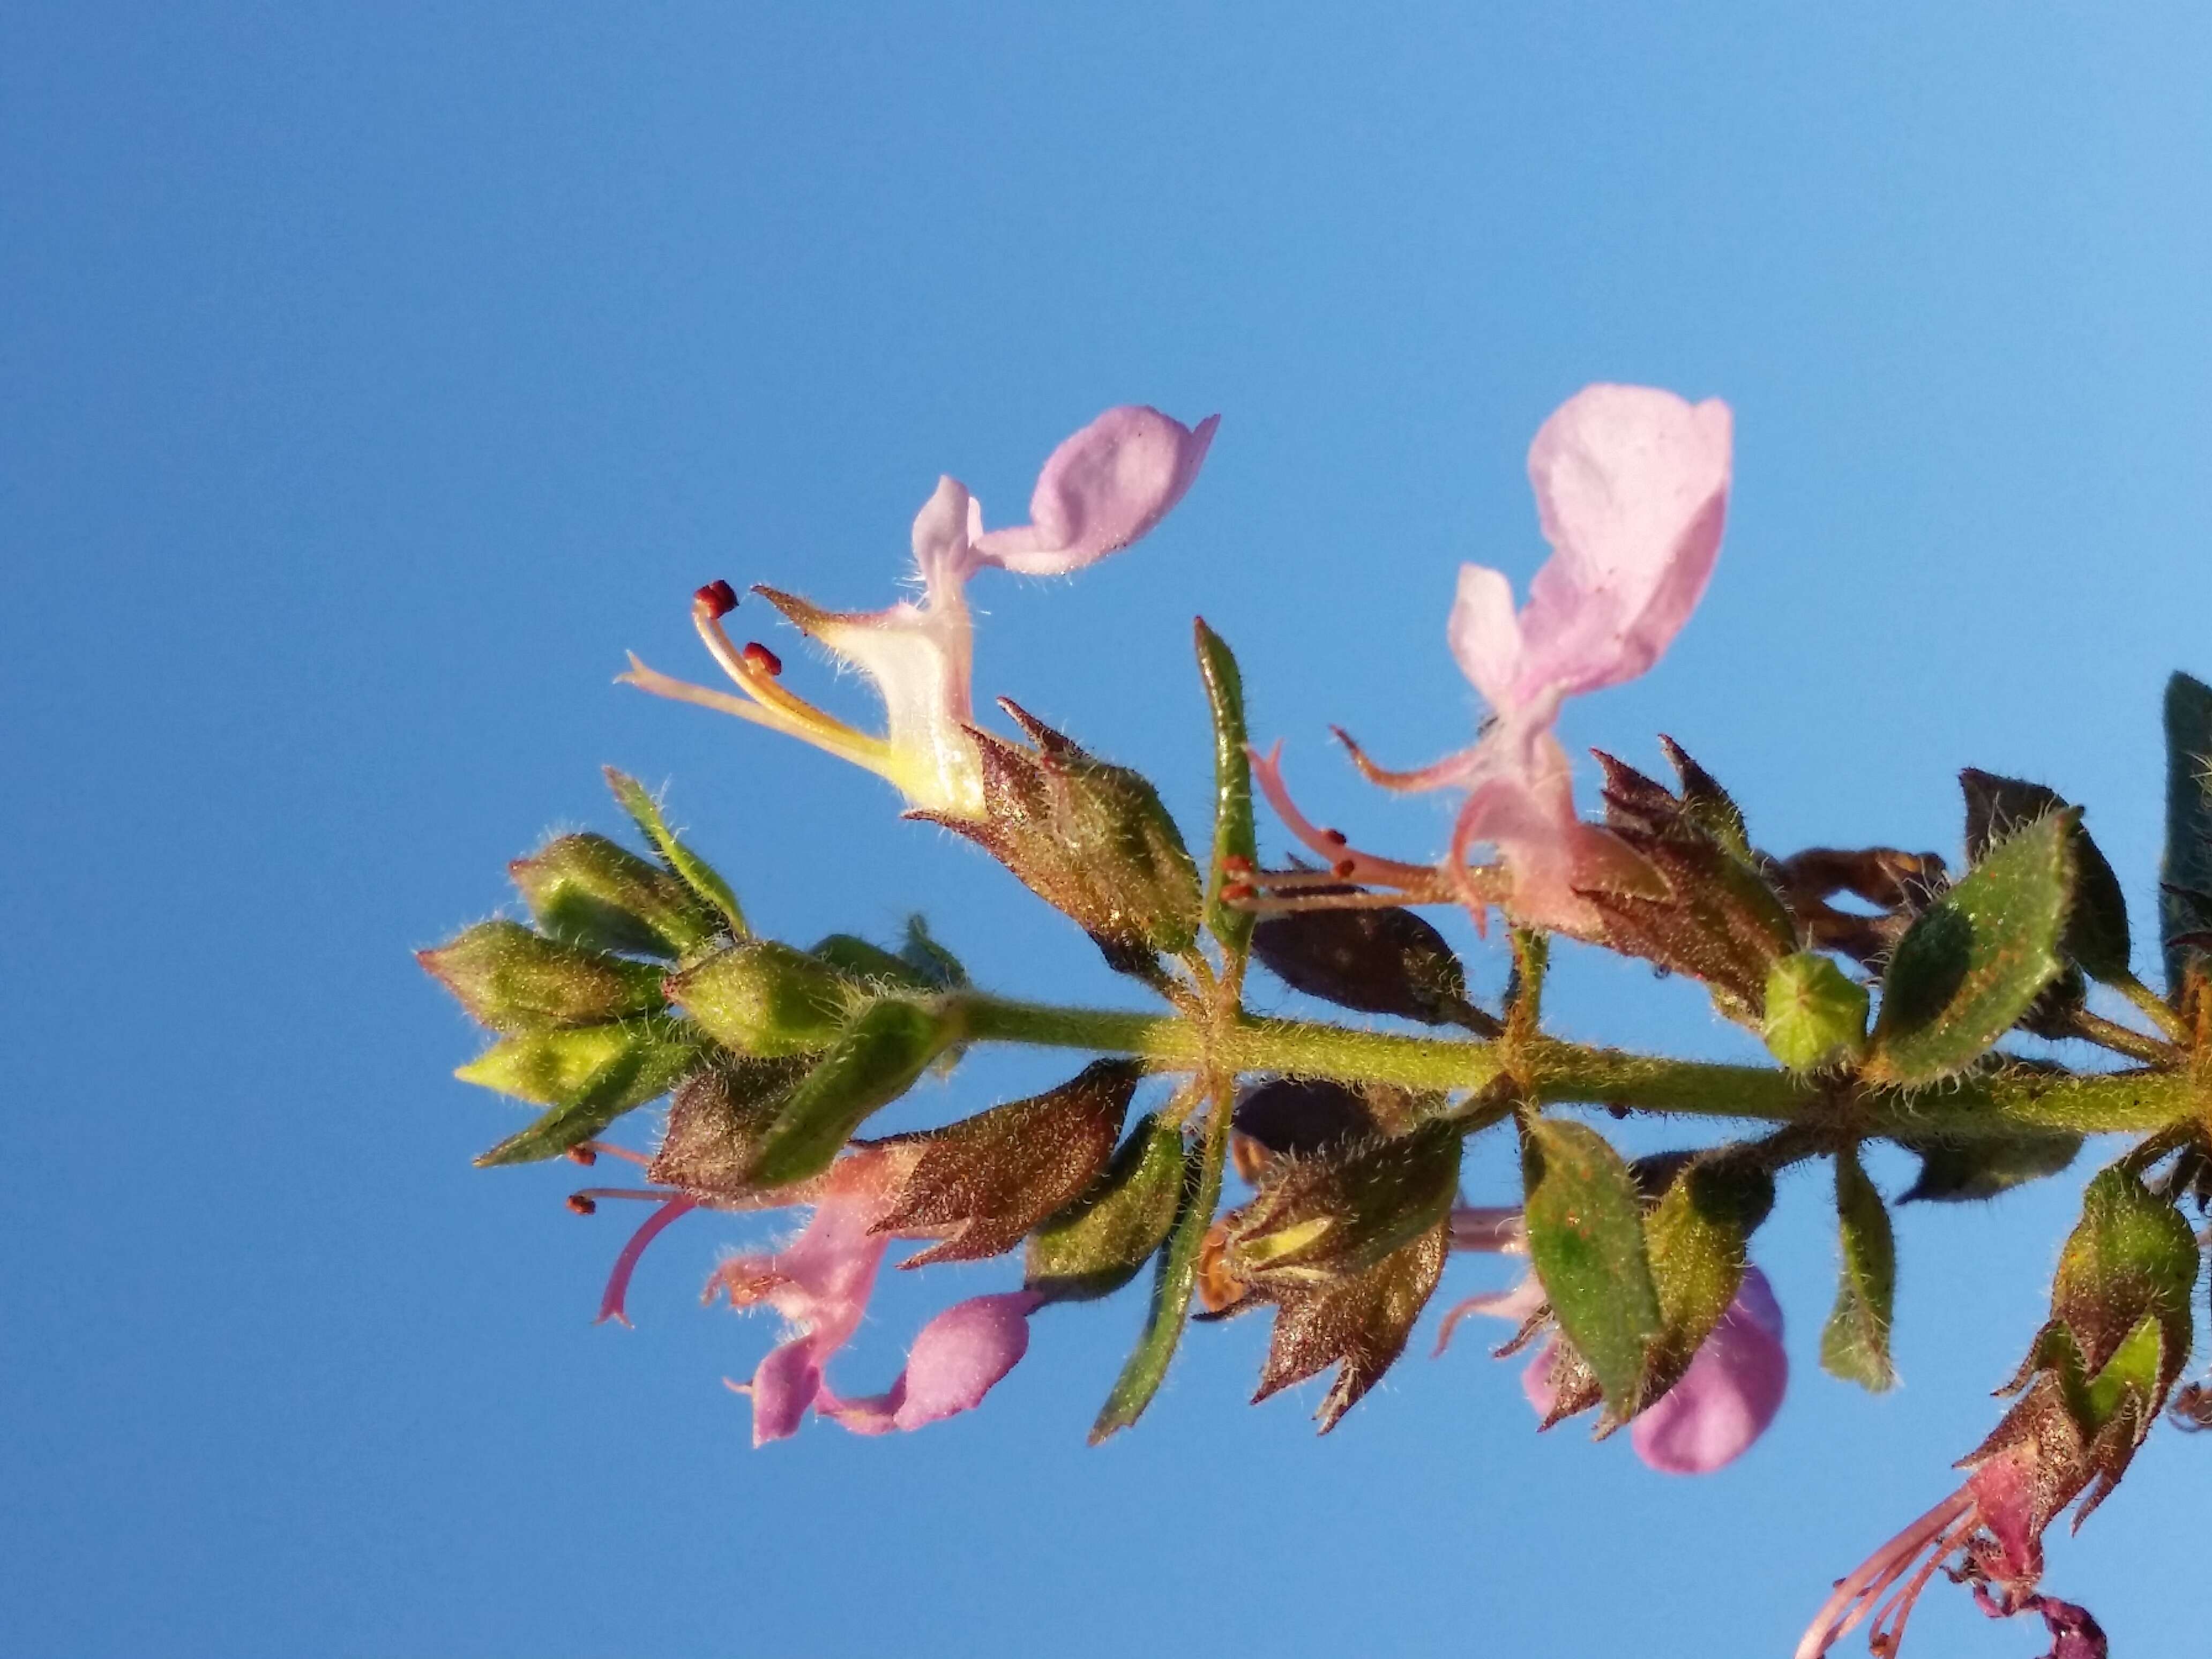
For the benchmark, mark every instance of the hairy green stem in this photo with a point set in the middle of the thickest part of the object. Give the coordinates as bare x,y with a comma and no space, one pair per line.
2002,1102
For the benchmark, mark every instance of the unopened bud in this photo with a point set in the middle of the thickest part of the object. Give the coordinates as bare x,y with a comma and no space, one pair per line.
513,980
1816,1014
764,998
594,892
1103,1240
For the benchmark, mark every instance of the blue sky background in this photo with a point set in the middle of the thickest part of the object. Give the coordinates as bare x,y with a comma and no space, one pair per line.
376,375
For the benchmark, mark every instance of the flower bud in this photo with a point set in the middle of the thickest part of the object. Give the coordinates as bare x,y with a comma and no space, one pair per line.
590,891
1090,839
1386,961
513,980
982,1184
1337,1213
589,1075
1816,1015
764,998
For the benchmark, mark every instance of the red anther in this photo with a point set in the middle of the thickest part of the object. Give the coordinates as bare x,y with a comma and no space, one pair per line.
583,1155
1333,837
583,1205
759,656
1236,892
1238,865
719,597
1342,869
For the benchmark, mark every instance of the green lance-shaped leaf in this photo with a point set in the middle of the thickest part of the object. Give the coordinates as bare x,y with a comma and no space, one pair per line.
2185,910
1234,840
588,890
1697,1236
875,1059
1585,1220
2097,924
1855,1344
1172,1281
1972,963
1099,1243
1959,1171
699,875
590,1075
510,979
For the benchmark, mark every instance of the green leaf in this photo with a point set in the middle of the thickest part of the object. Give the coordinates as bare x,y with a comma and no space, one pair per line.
874,1061
1696,1236
699,875
1585,1221
1172,1282
2096,925
1956,1172
590,1075
2185,896
1233,836
1099,1242
1973,963
1855,1346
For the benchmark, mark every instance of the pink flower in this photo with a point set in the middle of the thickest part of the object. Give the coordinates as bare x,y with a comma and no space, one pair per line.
1721,1404
1101,489
1632,489
821,1282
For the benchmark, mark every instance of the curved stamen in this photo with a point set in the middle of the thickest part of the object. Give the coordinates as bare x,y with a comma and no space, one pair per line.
611,1302
1854,1597
1329,843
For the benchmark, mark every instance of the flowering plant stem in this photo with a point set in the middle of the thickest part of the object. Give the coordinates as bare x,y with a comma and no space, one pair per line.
1999,1103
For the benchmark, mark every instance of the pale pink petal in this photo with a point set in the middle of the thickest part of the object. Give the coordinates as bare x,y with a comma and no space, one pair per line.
1485,635
1538,1385
1727,1396
1632,488
1101,489
957,1358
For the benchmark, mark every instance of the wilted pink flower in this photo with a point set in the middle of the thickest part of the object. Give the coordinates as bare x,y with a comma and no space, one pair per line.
1720,1405
821,1282
1632,489
1101,489
1997,1519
